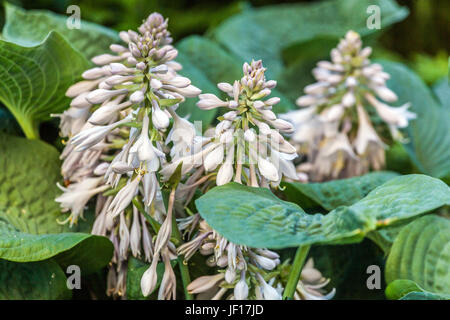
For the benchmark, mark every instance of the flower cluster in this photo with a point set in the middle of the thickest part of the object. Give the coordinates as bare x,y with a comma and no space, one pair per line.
339,125
246,145
123,133
117,126
247,272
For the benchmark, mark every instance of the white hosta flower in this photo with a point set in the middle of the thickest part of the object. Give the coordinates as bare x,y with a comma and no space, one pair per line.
346,84
268,292
214,158
149,279
159,118
135,234
124,197
80,101
107,113
109,126
366,133
101,95
395,116
124,237
265,262
225,173
90,137
144,148
76,196
267,169
241,288
204,283
137,97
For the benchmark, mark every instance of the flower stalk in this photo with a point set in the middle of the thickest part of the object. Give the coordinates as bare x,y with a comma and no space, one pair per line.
296,271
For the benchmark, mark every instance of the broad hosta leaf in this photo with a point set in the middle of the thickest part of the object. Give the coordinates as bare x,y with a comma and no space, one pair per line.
29,171
207,64
430,141
33,80
136,269
273,223
29,28
421,253
87,251
333,194
442,90
424,295
385,237
263,33
403,289
43,280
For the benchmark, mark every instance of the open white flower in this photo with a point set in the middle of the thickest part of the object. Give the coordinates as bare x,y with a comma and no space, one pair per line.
346,87
118,118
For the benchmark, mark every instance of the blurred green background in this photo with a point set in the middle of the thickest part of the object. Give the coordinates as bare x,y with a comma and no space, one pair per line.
422,38
420,41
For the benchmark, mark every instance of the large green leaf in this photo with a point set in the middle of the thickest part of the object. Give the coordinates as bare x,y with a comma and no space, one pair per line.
403,289
442,90
430,142
33,80
421,253
29,171
263,33
206,63
30,28
88,251
333,194
255,217
43,280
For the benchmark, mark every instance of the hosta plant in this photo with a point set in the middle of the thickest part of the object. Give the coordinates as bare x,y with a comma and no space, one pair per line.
142,167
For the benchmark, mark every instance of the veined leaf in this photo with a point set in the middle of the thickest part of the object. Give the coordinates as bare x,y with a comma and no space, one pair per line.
255,217
30,28
332,194
29,171
442,90
43,280
33,80
88,251
28,211
429,147
403,289
421,253
263,33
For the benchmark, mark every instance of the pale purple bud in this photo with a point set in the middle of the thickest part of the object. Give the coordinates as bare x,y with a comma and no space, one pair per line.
101,95
137,97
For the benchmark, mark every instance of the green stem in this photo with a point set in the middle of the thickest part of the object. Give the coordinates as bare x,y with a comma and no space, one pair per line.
29,127
296,270
182,264
153,223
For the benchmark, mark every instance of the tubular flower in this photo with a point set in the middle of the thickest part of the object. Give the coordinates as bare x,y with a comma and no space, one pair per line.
246,145
117,125
346,101
241,267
